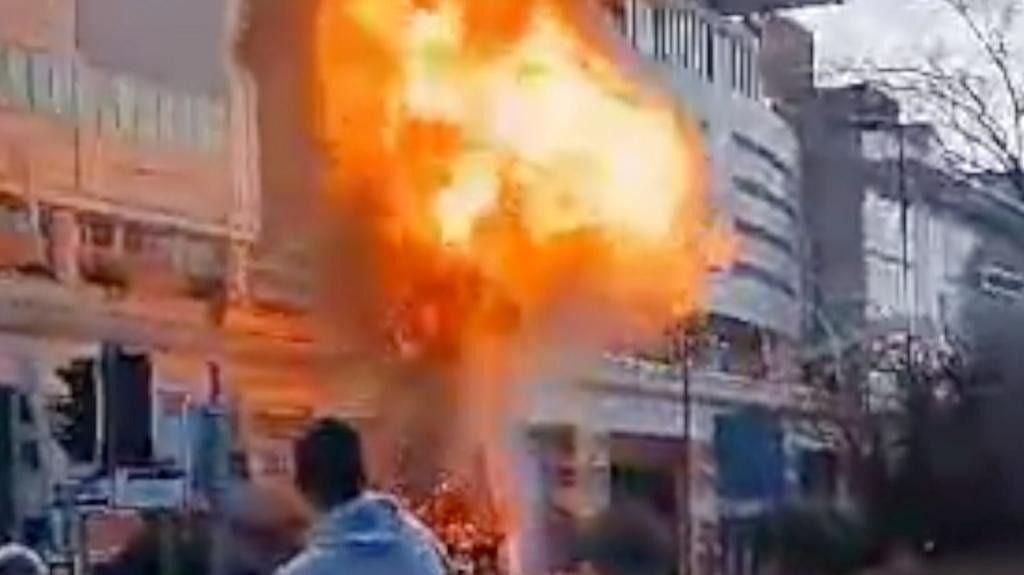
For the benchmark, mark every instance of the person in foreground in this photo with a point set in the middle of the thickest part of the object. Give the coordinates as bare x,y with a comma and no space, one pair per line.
359,532
16,559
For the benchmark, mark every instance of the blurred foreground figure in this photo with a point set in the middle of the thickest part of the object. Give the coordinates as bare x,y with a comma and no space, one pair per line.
626,540
264,528
16,559
359,533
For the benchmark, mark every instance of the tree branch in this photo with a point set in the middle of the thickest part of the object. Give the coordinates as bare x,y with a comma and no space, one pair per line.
994,45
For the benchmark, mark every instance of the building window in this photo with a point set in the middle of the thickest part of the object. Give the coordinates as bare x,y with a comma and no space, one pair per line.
14,216
14,81
25,414
708,38
699,47
755,190
164,117
186,121
41,85
660,39
764,153
756,272
30,455
644,31
616,10
690,25
65,89
755,231
673,34
218,122
146,114
819,472
133,239
1001,280
124,98
98,231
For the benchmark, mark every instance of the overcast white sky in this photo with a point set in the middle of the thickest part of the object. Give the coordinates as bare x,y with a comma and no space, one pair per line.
885,30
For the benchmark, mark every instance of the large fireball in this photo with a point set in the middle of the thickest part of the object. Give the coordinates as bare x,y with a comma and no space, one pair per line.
493,170
493,159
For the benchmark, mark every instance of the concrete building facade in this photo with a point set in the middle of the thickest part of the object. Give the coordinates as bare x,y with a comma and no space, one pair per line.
129,210
744,452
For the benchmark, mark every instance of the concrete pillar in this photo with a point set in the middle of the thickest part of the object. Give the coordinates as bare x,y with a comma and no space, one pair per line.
699,519
238,272
593,466
65,240
701,514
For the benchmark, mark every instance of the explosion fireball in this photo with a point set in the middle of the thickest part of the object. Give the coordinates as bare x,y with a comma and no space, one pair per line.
494,167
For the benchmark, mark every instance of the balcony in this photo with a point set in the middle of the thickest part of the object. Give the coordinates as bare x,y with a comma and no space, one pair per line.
623,374
20,249
690,40
91,140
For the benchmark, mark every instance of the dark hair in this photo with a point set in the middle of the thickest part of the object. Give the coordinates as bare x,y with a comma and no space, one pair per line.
627,539
329,463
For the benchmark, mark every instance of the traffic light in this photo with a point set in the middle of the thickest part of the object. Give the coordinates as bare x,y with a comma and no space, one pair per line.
127,407
76,424
7,461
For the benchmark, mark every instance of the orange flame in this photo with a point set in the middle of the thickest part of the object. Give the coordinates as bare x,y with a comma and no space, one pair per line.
493,167
492,147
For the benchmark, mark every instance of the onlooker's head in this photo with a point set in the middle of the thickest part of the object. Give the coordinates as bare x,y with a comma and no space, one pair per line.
329,464
627,540
20,560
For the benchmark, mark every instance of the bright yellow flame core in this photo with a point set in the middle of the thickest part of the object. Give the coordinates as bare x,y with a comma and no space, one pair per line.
582,154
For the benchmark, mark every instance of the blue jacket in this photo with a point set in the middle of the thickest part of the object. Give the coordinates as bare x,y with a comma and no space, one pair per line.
370,535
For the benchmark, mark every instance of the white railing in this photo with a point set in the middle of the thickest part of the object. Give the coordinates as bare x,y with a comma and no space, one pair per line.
110,104
623,372
695,39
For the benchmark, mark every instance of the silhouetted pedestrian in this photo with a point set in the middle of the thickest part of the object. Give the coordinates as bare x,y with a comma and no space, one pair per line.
359,533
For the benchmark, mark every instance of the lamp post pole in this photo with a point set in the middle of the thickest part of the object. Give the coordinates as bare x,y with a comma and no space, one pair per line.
681,348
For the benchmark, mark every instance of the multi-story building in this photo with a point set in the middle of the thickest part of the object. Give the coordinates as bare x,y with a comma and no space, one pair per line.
900,243
745,450
129,207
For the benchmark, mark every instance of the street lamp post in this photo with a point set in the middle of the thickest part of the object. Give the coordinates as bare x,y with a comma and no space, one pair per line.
899,129
681,351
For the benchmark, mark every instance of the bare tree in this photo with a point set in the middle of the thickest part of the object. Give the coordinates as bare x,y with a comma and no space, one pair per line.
976,100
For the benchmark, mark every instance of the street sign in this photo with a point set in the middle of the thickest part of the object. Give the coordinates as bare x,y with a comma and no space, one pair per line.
150,489
94,494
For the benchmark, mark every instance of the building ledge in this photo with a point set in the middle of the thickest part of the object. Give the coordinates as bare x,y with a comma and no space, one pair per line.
708,386
45,308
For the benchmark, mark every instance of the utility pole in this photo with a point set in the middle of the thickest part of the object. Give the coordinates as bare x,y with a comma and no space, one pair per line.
909,292
895,127
681,351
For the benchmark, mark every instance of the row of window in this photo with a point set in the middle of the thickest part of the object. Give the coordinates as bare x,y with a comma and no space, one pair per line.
118,106
756,272
771,158
724,345
1001,280
688,38
756,231
761,192
190,253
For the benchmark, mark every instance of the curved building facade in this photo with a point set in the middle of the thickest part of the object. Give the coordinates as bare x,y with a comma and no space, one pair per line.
718,450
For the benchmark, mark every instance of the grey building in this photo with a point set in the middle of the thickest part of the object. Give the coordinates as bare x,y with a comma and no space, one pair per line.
744,452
